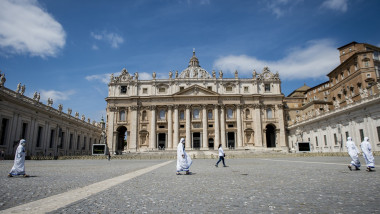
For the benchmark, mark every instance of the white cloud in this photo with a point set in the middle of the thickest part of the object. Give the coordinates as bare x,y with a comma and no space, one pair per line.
56,95
280,7
95,47
315,60
339,5
104,78
25,28
113,39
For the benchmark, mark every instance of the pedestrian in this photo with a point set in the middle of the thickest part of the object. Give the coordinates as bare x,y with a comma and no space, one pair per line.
19,163
221,156
2,155
109,156
353,152
367,154
183,160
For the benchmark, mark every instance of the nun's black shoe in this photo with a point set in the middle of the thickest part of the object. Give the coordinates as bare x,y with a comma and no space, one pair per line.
349,167
10,175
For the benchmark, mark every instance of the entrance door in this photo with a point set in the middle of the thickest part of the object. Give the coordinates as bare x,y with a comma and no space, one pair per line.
161,141
231,140
196,140
271,136
211,143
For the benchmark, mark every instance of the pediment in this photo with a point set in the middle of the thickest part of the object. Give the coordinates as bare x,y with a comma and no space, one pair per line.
196,90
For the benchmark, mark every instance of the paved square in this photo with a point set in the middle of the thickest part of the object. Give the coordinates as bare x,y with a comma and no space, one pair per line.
256,185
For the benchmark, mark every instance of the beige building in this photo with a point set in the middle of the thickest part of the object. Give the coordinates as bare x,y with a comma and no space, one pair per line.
346,105
47,131
204,108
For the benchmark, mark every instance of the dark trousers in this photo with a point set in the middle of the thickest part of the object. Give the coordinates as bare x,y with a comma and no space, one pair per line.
221,158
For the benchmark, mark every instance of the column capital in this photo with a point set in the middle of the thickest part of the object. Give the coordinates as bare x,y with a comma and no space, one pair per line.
204,106
170,107
280,106
153,107
176,106
134,108
216,106
188,106
222,106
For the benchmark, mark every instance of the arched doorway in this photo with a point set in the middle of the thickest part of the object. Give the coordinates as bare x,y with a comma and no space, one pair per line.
270,134
121,138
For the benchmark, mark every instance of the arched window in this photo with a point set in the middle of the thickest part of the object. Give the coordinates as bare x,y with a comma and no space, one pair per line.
269,113
182,115
144,115
122,115
196,113
209,114
247,114
162,114
230,113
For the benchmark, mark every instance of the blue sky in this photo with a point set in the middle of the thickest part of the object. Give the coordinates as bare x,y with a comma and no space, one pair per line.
66,50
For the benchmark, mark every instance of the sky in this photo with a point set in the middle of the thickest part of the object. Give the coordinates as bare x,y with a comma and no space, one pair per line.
66,50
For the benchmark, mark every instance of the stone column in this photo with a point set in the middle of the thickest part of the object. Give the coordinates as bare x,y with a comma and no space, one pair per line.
216,127
188,127
134,128
170,128
152,141
281,123
204,126
222,126
239,128
258,126
176,127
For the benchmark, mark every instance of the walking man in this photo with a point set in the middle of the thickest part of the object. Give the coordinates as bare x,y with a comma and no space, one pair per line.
221,156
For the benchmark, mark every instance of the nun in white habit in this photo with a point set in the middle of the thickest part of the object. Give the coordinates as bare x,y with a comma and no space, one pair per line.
183,160
353,152
367,154
19,162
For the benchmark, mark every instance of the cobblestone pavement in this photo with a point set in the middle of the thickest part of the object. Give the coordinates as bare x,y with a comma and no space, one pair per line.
257,185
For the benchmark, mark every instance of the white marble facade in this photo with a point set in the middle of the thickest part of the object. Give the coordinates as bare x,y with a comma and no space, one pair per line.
205,108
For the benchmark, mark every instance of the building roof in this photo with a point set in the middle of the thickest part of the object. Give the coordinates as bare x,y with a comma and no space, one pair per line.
299,92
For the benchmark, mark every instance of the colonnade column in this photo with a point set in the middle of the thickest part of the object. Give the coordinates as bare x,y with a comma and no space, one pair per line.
188,127
281,123
152,141
258,126
133,141
239,129
222,126
216,120
204,126
170,128
176,127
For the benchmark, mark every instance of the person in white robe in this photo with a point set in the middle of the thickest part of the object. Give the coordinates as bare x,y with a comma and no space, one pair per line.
354,154
19,162
367,154
183,160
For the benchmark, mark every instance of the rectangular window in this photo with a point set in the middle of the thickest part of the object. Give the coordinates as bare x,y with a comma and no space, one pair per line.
230,125
335,139
378,133
361,135
161,127
3,130
316,141
39,136
182,126
267,87
181,88
210,125
161,90
228,88
209,88
24,129
325,139
145,90
51,138
71,141
123,89
246,89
